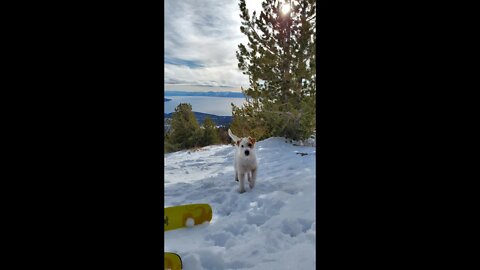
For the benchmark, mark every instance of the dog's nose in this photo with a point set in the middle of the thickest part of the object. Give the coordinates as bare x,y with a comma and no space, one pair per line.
247,153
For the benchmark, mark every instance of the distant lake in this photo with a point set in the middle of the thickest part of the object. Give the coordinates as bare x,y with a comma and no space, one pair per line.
212,105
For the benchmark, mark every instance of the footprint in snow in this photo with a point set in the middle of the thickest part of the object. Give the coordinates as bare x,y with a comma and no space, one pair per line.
210,260
219,198
219,239
238,265
294,227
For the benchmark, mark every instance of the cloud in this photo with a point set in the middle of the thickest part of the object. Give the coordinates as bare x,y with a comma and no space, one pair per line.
224,75
201,38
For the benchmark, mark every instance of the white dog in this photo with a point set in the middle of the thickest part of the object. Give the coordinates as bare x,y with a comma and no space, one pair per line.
245,160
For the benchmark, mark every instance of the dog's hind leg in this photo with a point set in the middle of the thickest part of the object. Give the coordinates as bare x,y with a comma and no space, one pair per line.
252,178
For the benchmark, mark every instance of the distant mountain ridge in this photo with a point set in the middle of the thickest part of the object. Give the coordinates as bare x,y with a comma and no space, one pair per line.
218,120
206,94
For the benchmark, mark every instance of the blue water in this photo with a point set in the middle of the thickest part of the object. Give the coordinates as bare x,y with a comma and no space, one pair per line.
212,105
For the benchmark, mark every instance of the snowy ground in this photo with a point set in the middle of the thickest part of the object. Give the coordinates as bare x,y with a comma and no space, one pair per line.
269,227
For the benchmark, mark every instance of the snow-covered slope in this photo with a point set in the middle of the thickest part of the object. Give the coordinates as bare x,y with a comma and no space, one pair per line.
271,226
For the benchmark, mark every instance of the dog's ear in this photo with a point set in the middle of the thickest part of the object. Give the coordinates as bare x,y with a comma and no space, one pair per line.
252,140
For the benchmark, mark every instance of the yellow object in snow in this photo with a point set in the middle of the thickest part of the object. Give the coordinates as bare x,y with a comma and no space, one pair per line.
176,217
172,261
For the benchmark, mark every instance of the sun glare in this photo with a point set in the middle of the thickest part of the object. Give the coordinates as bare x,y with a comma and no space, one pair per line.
285,8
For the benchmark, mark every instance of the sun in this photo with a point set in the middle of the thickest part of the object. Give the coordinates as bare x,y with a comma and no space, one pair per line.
285,9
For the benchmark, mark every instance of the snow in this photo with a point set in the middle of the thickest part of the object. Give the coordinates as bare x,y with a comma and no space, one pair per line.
271,226
190,222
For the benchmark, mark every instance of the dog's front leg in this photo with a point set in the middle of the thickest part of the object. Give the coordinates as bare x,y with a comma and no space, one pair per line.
251,181
241,177
236,172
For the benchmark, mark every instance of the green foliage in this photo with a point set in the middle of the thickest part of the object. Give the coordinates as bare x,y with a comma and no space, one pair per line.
168,147
210,132
223,135
185,132
245,124
280,61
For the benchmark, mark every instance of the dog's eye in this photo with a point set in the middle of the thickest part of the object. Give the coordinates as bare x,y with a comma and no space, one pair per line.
242,145
249,145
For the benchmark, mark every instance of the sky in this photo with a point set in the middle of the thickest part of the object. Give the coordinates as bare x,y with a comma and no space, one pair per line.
201,38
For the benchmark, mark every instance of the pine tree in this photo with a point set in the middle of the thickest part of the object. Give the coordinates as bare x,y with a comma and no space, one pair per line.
210,132
185,131
280,61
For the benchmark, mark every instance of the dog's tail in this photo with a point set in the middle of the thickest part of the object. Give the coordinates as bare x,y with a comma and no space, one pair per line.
234,138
